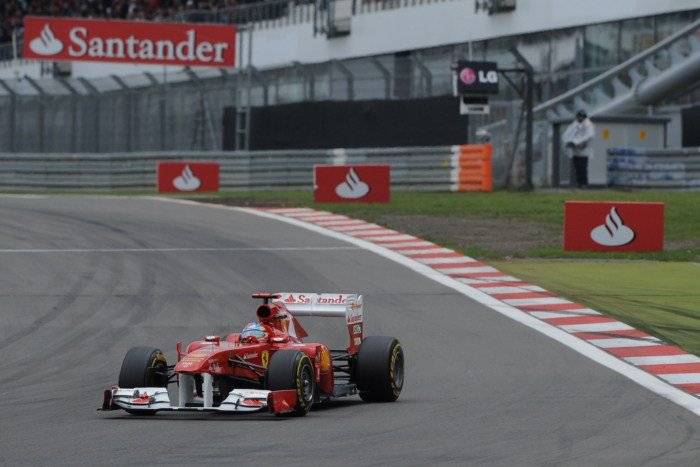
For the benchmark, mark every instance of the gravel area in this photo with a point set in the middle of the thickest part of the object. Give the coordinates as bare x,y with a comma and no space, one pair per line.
498,236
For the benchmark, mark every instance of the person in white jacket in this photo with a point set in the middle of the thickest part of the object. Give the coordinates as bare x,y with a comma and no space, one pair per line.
578,139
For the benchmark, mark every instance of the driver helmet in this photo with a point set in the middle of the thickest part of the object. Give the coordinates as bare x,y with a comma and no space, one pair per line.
255,330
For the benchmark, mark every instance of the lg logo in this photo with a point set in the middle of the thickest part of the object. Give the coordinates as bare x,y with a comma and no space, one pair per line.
490,77
469,76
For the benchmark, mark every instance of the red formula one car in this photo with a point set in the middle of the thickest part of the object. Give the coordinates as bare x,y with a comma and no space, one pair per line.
267,366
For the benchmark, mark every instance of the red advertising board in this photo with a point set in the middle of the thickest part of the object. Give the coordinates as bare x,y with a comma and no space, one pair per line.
352,183
178,177
142,42
612,226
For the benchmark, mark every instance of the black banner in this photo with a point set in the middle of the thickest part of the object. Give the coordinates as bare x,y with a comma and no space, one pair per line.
477,77
431,121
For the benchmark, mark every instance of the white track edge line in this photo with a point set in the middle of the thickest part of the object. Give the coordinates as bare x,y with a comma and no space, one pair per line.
631,372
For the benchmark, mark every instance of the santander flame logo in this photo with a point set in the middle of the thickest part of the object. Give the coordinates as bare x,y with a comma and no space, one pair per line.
46,43
352,187
613,232
187,181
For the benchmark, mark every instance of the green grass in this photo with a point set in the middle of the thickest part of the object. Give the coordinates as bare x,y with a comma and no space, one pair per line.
662,298
546,208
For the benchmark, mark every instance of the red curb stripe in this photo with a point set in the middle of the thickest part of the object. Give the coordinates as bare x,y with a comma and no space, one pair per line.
375,232
465,264
441,254
340,223
476,275
399,249
553,307
398,237
693,388
523,294
646,351
501,284
611,334
670,368
583,319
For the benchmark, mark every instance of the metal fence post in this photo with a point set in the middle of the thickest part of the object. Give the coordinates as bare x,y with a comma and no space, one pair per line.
42,110
73,113
96,98
207,107
386,74
129,109
425,73
349,78
161,106
13,108
263,83
304,86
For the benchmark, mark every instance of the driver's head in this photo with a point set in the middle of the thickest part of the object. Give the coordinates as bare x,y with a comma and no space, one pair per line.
581,115
253,332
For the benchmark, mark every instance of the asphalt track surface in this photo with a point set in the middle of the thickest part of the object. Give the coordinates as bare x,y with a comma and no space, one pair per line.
95,276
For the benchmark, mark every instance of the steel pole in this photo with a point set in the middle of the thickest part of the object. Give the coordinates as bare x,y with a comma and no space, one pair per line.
249,86
529,113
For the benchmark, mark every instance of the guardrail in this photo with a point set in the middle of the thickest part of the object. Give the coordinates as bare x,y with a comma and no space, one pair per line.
662,168
418,168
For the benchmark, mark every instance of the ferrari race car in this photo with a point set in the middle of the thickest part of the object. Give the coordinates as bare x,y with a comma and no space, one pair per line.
265,367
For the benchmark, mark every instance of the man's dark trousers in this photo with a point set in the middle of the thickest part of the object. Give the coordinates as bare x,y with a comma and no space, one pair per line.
581,170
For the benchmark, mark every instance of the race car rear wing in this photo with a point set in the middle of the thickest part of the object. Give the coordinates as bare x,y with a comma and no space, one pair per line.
349,306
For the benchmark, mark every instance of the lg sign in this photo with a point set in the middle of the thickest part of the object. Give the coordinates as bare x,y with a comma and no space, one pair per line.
477,78
469,76
129,41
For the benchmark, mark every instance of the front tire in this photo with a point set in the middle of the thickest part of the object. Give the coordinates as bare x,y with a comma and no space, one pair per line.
143,367
291,369
379,369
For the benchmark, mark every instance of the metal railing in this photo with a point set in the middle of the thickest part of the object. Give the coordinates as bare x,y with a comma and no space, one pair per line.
420,168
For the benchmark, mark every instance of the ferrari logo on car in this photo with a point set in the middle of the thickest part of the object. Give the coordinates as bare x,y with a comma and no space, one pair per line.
265,358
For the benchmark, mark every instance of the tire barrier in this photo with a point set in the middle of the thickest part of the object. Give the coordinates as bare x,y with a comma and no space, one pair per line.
472,167
439,168
654,168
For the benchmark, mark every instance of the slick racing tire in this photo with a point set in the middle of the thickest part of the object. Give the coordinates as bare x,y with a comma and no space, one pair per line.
379,369
143,367
291,369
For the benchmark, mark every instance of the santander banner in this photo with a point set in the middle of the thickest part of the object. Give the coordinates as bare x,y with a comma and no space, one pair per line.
76,39
185,177
611,226
352,183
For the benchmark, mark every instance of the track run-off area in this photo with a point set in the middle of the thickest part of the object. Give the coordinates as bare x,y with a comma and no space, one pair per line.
84,278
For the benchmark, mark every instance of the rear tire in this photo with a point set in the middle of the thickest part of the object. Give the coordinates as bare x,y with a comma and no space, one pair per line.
379,369
143,367
291,369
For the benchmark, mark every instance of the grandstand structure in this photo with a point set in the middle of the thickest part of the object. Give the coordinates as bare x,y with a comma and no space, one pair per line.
607,57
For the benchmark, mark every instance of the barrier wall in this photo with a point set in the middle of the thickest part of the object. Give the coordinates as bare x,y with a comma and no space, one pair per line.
440,168
473,167
663,168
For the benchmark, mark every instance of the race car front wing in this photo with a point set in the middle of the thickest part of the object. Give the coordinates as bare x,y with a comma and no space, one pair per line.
148,400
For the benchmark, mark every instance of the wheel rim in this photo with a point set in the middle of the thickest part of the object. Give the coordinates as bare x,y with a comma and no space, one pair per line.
307,384
397,369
